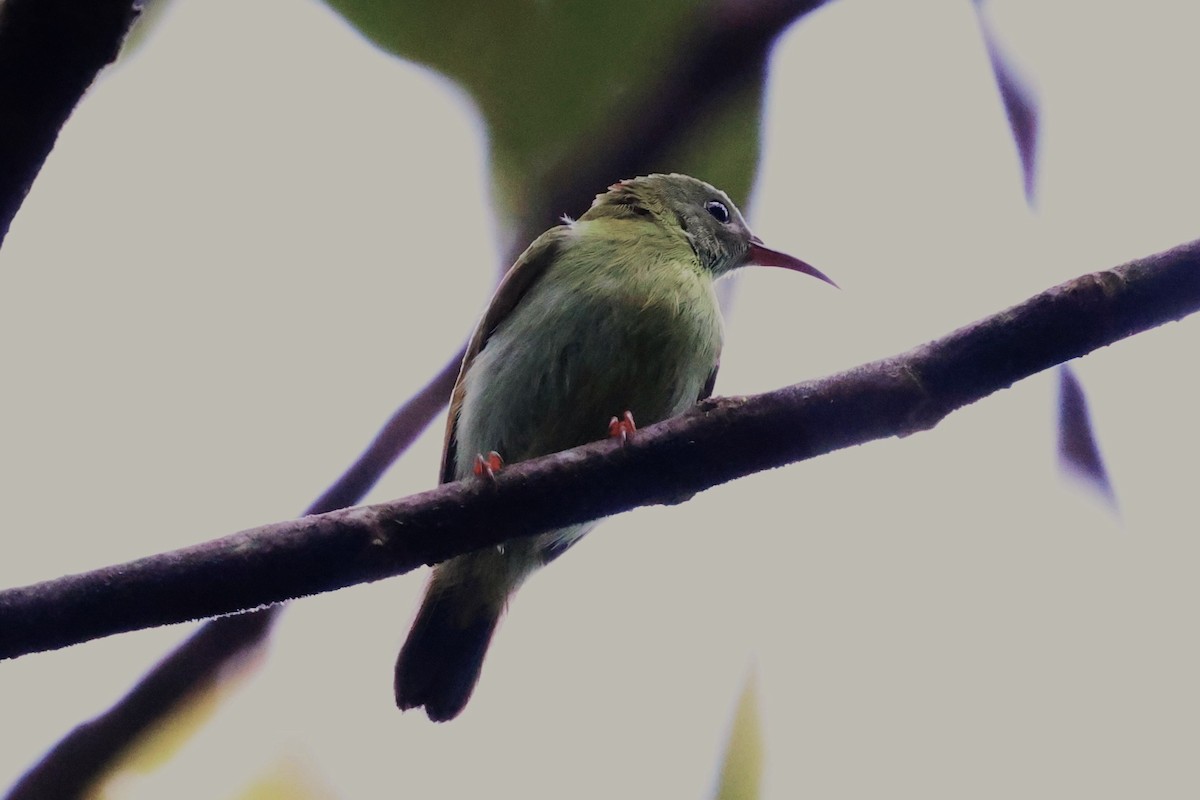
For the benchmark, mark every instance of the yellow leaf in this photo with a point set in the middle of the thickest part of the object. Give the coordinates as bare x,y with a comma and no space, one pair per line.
741,773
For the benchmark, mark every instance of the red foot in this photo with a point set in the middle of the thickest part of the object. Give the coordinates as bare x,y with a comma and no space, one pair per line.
623,428
487,466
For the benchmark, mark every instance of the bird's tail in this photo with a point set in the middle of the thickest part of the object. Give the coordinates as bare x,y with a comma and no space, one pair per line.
440,661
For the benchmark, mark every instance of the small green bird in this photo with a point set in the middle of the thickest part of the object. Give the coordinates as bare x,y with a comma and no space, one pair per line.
603,320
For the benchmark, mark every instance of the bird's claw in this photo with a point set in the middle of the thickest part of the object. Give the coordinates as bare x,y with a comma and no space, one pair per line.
623,428
487,466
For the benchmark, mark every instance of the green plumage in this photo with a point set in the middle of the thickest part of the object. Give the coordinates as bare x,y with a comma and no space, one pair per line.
607,329
614,312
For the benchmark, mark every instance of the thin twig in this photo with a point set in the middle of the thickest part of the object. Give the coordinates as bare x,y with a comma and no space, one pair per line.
718,441
393,439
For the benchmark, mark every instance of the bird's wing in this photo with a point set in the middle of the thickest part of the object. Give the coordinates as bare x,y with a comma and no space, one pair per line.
521,276
707,390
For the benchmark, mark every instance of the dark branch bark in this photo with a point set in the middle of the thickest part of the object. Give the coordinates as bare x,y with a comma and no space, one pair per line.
718,441
50,52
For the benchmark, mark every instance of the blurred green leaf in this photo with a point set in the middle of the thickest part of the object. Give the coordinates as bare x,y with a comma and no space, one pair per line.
155,747
288,779
558,82
741,773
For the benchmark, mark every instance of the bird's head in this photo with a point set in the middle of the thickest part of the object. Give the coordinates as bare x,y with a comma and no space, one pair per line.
709,220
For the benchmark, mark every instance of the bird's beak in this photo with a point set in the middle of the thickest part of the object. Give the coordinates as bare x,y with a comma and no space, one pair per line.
764,256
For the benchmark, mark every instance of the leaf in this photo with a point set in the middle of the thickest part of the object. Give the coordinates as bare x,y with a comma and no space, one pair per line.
576,96
741,771
1078,452
156,746
289,779
1020,104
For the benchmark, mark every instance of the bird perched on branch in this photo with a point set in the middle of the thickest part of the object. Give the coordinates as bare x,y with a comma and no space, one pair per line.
603,322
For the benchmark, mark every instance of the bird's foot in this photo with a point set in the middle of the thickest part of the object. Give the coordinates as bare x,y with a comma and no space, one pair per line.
623,428
487,466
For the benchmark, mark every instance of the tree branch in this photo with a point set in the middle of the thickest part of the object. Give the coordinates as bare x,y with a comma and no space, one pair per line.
729,51
72,765
719,440
50,52
405,425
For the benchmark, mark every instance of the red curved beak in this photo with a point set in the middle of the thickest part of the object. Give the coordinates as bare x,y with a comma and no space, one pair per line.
764,256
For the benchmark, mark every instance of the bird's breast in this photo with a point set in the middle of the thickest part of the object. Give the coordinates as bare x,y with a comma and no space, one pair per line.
580,349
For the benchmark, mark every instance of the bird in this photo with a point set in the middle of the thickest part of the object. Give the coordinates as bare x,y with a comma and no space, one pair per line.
603,323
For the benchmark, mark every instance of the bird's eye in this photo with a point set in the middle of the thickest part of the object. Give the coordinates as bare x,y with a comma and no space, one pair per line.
718,211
